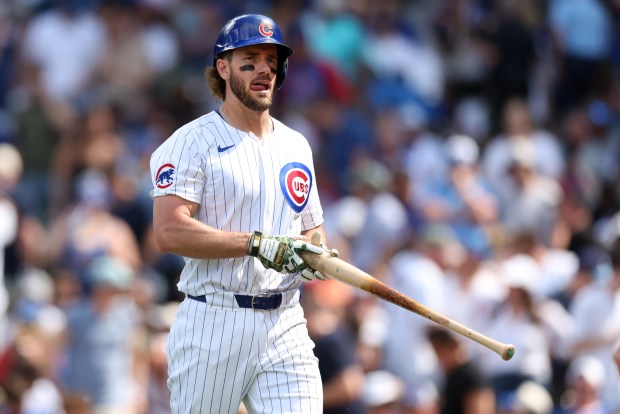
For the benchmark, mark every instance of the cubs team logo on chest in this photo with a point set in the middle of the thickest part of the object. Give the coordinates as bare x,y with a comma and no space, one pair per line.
296,182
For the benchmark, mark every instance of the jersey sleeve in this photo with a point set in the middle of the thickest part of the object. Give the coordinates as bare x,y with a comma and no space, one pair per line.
312,215
177,167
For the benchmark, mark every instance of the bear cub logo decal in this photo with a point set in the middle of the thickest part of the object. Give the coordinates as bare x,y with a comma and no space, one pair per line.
165,176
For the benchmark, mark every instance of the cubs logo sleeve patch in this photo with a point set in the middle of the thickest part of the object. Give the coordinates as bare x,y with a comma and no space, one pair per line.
165,176
296,183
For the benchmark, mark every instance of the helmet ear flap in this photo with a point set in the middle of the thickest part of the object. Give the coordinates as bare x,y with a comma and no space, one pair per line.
282,71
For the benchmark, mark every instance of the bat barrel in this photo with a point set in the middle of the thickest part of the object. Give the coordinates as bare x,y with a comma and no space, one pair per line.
340,270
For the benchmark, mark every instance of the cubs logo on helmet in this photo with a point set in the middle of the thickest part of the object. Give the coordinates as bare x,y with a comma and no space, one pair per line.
265,29
296,183
165,176
253,29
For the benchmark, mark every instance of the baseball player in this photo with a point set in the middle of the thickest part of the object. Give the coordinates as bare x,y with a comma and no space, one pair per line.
235,194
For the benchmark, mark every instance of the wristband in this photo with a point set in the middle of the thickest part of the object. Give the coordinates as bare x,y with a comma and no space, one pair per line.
254,243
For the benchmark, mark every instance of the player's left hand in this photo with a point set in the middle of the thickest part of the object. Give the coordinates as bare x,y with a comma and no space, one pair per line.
309,274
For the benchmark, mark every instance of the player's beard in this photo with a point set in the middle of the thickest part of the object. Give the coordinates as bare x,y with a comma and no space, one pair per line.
255,104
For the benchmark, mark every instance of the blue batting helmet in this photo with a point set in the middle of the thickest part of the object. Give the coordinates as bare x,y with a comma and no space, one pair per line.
253,29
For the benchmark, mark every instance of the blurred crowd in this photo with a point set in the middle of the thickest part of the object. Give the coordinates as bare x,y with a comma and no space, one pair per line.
467,153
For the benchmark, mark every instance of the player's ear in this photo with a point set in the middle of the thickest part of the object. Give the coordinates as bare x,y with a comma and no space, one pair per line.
223,68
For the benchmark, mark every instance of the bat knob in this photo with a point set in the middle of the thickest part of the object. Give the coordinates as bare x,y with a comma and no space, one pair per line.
508,352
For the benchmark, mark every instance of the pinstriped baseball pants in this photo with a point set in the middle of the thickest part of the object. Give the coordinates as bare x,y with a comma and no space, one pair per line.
220,357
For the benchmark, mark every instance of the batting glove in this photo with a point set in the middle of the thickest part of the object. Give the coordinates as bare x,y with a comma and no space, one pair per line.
280,253
309,274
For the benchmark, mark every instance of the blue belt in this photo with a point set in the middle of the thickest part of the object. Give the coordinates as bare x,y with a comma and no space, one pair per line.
258,302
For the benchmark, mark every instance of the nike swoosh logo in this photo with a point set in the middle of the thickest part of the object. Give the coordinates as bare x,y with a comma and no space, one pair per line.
222,149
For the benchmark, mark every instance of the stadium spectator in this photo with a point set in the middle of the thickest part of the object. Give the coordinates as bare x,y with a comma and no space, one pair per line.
465,387
464,201
532,199
158,321
103,338
86,229
596,310
507,38
557,266
125,70
518,321
529,398
8,50
99,84
29,363
584,378
382,393
38,124
10,172
423,158
416,275
65,44
384,228
25,387
461,50
343,379
580,57
422,83
546,156
473,286
334,33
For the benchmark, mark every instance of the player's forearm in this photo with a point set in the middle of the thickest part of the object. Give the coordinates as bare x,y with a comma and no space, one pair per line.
190,238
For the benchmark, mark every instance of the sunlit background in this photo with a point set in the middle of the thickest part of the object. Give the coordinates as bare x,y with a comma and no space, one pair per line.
467,153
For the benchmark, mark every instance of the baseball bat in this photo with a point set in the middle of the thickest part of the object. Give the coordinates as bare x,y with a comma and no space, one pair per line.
344,272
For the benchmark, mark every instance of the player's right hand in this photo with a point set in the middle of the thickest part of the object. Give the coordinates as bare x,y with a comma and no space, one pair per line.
280,253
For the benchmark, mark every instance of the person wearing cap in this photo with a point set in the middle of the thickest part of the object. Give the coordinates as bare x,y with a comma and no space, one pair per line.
585,378
235,194
518,320
102,363
530,200
382,392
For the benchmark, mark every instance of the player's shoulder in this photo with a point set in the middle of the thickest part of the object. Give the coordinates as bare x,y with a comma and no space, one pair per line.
201,127
288,132
198,132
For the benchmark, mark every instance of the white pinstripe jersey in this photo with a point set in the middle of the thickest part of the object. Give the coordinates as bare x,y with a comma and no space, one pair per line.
241,184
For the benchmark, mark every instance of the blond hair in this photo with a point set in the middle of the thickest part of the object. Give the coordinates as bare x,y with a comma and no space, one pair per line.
217,85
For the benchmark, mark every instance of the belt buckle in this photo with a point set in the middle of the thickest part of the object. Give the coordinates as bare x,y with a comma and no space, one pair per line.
260,295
